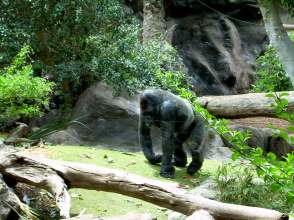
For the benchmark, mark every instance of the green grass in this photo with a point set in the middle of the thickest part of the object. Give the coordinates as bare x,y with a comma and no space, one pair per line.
109,204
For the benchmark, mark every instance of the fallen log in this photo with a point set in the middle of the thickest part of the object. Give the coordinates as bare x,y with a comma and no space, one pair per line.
289,27
40,171
237,106
39,175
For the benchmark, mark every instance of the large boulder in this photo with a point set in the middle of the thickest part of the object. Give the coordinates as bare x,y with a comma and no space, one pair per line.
105,118
100,117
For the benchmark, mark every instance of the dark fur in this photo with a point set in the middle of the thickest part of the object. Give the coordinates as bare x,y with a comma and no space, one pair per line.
177,121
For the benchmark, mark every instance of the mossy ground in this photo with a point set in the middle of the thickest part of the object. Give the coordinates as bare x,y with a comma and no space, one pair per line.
108,204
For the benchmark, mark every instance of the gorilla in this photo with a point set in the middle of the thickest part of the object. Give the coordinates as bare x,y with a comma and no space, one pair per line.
177,121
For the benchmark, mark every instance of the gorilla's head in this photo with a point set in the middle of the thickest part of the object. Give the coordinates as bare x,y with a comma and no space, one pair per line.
150,107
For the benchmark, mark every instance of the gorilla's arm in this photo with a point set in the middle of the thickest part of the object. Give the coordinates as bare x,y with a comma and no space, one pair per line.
167,125
146,142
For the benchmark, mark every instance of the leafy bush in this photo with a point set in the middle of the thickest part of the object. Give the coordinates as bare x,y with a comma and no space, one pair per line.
270,74
21,93
238,183
280,106
126,64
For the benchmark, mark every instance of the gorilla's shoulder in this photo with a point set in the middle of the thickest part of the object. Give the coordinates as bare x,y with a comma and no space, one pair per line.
155,92
160,93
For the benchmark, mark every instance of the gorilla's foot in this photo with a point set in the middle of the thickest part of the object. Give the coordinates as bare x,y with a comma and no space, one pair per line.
156,159
194,167
180,162
167,171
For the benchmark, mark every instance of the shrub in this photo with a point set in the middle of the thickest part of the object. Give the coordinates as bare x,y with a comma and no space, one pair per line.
21,93
238,183
270,73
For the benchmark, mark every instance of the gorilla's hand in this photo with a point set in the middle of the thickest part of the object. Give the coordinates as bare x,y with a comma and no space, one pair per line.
180,158
193,167
155,159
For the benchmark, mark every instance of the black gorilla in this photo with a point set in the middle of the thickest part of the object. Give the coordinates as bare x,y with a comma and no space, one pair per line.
177,121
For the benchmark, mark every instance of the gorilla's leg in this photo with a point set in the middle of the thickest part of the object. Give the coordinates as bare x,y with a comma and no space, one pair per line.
168,147
180,156
167,169
197,147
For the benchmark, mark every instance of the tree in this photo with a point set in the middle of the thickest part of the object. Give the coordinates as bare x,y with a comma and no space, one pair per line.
277,34
80,42
153,22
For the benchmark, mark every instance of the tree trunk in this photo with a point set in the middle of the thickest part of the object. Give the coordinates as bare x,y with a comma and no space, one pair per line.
238,106
278,35
153,23
41,172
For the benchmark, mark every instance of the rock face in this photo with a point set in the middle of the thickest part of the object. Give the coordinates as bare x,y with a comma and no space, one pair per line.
218,41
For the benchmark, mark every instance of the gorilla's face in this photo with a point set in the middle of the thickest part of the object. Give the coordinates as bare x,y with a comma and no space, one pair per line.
149,110
148,120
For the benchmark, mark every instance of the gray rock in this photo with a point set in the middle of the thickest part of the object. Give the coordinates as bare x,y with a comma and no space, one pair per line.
206,189
216,149
106,118
68,136
266,139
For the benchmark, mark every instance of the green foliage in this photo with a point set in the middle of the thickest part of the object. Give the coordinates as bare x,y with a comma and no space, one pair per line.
22,94
291,34
80,42
289,5
280,107
278,175
238,183
137,67
270,73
